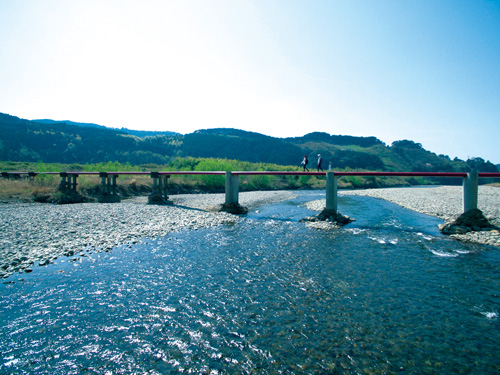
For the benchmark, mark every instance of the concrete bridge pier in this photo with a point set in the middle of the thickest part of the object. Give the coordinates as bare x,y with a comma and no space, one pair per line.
231,204
471,191
232,188
331,191
331,213
108,191
159,195
472,219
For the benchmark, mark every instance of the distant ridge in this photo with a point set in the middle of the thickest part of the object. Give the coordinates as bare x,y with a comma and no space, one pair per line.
73,142
137,133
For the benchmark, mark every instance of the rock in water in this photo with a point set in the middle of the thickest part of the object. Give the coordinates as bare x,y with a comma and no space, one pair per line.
233,208
157,198
472,220
331,216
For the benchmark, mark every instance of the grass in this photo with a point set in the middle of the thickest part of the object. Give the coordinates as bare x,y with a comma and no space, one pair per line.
44,187
23,190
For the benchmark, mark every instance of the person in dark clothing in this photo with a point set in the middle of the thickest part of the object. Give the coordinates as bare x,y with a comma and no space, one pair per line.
304,163
320,160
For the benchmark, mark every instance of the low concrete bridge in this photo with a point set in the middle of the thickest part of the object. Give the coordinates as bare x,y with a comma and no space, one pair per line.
470,183
109,192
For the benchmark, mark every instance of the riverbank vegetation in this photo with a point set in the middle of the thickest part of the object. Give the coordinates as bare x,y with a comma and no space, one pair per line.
69,142
53,146
44,187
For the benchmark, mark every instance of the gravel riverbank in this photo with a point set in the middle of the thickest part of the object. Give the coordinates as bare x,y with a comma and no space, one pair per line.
36,234
444,202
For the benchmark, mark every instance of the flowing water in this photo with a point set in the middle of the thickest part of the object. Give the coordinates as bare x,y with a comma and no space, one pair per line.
386,294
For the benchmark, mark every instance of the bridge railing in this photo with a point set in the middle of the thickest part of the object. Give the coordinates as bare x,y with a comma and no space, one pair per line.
160,181
470,183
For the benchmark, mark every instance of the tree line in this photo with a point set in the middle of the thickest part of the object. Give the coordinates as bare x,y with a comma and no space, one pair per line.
59,142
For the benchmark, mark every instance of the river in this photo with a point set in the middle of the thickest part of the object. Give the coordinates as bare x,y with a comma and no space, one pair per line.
386,294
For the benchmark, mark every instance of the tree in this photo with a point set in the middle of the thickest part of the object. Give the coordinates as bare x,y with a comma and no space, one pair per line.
481,165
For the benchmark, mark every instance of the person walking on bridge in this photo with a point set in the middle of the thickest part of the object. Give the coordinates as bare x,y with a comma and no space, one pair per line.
304,163
320,160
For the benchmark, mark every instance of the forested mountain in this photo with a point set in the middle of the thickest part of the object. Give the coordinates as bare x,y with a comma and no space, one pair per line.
68,142
138,133
24,140
240,145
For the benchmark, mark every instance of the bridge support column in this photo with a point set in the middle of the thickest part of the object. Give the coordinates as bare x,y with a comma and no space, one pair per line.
231,204
472,219
67,188
64,185
108,191
113,185
331,191
331,213
164,188
68,182
470,190
73,183
160,189
232,188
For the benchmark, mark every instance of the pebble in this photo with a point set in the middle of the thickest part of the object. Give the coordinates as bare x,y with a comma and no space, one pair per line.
36,233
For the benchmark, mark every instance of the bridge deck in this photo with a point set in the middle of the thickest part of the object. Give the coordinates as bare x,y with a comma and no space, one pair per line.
272,173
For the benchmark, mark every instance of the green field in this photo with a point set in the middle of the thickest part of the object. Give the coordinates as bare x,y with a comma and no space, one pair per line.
45,186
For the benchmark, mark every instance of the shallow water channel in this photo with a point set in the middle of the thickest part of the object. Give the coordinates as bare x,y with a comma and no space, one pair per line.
387,294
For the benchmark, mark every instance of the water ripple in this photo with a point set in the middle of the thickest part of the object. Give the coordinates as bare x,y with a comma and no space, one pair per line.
385,295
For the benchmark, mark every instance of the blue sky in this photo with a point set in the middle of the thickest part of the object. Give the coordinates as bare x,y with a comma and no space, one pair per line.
423,70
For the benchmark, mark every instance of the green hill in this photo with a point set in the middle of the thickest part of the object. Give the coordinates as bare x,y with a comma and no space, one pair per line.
68,142
138,133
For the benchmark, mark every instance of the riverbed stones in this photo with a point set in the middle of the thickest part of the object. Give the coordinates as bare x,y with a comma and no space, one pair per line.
34,233
470,221
157,198
233,208
332,216
444,202
65,195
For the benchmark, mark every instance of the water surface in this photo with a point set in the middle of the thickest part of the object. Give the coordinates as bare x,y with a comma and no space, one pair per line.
387,294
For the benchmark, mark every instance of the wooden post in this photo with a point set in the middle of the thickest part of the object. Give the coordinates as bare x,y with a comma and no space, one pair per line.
74,183
64,184
108,192
164,189
159,193
103,176
113,186
470,190
154,176
160,185
232,188
331,191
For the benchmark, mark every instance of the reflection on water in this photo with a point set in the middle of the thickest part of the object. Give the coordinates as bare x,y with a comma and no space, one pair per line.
385,295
